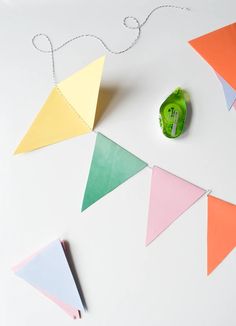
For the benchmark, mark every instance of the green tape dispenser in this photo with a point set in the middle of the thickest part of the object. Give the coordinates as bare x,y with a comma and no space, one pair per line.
173,112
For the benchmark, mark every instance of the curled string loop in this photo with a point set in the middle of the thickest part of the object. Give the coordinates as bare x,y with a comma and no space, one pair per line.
129,22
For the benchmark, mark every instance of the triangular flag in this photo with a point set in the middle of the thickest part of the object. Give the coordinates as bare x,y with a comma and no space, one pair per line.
69,111
56,121
81,90
221,231
229,92
49,272
170,197
111,166
218,48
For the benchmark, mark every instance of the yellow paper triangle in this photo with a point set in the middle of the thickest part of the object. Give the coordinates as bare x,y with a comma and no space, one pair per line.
56,121
81,90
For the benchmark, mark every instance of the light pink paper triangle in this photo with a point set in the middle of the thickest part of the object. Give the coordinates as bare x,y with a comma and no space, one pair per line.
170,197
75,314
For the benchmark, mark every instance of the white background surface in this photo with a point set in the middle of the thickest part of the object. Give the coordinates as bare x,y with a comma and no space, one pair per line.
124,283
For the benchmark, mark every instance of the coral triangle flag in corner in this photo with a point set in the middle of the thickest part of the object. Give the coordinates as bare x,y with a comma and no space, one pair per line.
111,166
221,238
218,48
48,271
69,111
170,197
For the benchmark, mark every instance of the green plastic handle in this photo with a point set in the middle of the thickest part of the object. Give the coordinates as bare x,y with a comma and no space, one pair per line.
173,112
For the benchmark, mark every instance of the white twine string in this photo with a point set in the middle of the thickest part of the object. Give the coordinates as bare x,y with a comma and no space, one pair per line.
137,27
126,22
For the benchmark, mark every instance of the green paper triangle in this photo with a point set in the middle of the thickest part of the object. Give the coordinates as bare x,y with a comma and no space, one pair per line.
111,166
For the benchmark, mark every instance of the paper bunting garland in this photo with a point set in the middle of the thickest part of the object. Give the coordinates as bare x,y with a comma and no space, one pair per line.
218,48
69,111
48,271
111,166
170,197
221,231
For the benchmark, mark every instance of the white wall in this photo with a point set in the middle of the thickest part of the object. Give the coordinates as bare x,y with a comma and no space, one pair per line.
124,283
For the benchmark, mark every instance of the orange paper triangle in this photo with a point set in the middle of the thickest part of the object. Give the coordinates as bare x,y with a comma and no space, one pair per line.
221,231
218,48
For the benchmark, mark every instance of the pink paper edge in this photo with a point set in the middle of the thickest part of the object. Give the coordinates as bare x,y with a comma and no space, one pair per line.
73,313
69,310
20,265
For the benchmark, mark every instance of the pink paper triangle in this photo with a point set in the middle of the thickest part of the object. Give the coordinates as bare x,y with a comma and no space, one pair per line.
170,197
75,314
